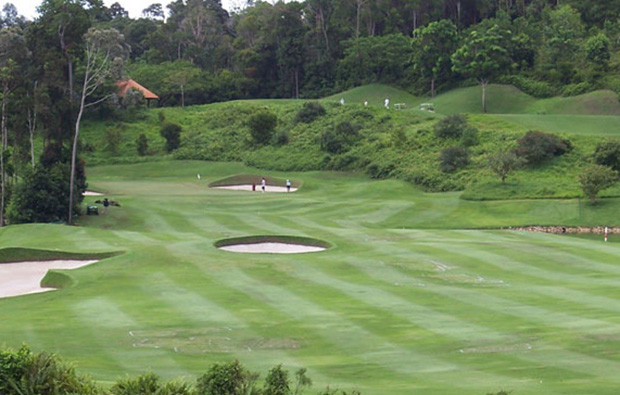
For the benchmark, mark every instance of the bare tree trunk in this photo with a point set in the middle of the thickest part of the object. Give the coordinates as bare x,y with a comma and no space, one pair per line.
296,83
74,151
65,50
484,84
433,87
182,96
32,122
4,141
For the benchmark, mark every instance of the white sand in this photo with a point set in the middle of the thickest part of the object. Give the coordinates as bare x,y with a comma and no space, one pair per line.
23,278
271,248
92,193
248,187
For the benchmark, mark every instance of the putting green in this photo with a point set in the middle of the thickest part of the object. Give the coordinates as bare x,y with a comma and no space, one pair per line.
405,300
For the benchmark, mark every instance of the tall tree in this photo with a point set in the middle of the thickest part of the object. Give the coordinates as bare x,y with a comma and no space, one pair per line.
483,56
104,56
432,47
12,61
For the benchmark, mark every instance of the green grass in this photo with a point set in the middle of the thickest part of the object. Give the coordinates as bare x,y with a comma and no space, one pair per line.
506,99
413,297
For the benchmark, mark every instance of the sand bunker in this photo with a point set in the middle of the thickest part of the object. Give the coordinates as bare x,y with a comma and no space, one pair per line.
92,193
25,277
248,187
271,248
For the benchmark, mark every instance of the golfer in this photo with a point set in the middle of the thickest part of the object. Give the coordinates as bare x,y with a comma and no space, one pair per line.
263,184
288,185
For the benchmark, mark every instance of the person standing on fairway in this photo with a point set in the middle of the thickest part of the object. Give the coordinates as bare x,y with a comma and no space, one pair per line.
387,102
106,203
263,184
288,185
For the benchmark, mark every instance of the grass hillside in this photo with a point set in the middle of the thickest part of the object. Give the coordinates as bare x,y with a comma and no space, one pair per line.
405,301
506,99
376,95
382,143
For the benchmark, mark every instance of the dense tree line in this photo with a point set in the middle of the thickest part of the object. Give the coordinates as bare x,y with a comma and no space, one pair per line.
194,51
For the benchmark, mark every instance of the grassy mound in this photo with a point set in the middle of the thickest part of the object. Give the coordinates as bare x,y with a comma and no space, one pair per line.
248,179
376,94
506,99
13,254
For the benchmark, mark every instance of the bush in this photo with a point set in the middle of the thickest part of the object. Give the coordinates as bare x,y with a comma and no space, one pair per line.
142,144
145,384
309,112
113,138
172,133
607,153
340,139
262,125
577,89
453,158
536,88
226,379
503,162
282,137
43,195
451,127
23,372
469,138
536,147
595,178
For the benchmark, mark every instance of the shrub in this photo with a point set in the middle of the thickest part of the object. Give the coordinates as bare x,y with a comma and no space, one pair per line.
340,139
536,147
42,195
142,144
577,89
24,372
277,382
469,138
453,158
145,384
309,112
451,127
282,137
172,133
531,86
595,178
503,162
113,138
262,125
227,379
607,153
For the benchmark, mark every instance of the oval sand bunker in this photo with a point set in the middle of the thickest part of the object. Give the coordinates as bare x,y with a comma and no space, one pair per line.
271,248
272,245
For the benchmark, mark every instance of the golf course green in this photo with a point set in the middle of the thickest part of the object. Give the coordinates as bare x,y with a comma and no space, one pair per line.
413,295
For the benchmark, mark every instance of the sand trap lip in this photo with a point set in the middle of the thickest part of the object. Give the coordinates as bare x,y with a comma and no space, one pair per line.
23,278
271,248
248,187
92,193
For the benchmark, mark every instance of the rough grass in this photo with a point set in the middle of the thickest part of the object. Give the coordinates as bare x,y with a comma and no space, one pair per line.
406,301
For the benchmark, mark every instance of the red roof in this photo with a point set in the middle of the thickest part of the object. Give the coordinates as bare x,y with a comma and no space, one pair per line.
124,86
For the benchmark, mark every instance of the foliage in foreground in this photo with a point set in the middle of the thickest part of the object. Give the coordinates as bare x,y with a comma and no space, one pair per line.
23,372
